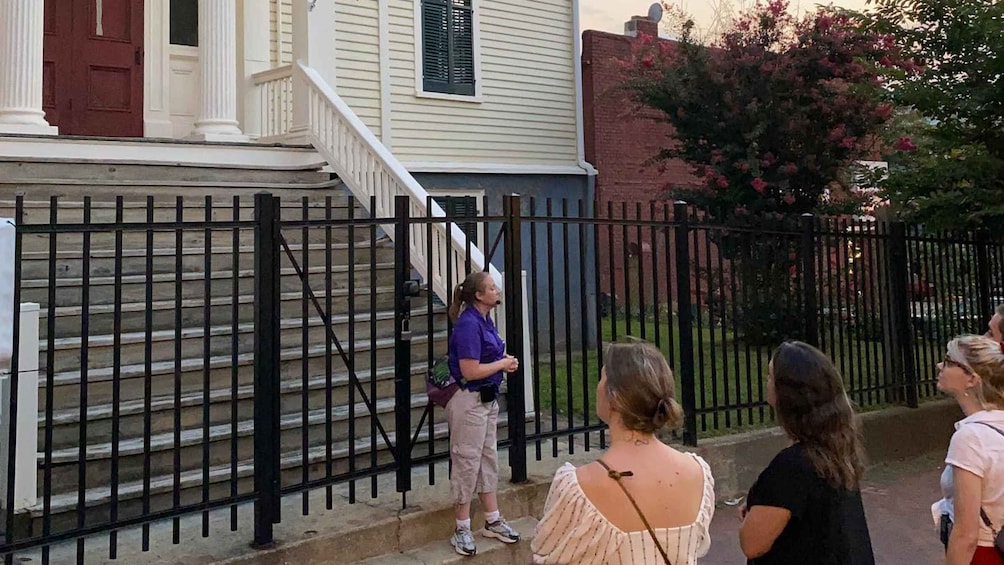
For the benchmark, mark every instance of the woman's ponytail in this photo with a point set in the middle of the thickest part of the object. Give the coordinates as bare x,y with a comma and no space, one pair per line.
456,304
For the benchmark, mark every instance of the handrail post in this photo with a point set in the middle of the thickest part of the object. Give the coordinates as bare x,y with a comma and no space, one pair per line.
515,395
402,342
266,370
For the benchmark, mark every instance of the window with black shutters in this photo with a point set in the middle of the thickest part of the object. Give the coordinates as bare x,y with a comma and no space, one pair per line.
462,211
448,46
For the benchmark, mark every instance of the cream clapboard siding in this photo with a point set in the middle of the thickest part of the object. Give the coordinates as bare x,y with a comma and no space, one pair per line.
281,32
527,113
528,90
357,72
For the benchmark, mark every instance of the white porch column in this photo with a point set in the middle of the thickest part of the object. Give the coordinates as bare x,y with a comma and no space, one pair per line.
218,63
21,28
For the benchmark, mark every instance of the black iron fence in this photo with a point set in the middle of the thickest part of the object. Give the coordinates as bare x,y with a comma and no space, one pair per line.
200,354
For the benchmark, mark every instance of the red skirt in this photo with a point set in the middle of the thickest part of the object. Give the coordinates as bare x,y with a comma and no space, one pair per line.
986,556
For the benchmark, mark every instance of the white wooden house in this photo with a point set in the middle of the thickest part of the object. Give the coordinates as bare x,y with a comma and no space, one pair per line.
473,98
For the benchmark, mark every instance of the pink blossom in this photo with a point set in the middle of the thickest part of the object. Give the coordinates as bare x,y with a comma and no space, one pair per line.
645,39
648,61
768,159
723,182
759,185
742,166
905,144
789,169
837,133
789,198
883,111
848,142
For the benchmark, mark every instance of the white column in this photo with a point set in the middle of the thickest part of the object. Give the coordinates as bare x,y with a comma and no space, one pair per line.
21,29
218,63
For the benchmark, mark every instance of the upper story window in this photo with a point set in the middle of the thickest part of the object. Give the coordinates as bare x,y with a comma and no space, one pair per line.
185,22
448,65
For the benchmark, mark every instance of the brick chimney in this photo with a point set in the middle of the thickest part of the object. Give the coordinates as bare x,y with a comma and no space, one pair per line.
641,24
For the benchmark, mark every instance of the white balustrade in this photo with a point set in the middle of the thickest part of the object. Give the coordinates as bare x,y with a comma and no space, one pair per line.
275,91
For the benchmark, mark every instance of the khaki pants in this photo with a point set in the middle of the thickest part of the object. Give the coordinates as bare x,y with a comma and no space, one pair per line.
473,450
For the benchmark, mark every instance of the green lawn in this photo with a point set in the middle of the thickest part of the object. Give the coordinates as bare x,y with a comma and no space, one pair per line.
728,374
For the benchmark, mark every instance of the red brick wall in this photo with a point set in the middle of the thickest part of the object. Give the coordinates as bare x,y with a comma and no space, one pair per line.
619,139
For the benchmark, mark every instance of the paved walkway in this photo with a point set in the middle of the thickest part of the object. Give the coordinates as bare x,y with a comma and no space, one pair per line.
897,499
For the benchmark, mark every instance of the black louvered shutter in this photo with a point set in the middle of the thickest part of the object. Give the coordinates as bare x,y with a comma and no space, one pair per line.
462,65
461,208
436,45
448,46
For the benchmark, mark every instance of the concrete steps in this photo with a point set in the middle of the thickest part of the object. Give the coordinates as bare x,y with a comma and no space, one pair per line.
155,328
490,551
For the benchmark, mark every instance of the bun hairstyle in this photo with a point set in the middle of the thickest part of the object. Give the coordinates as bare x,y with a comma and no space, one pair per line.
641,387
813,409
983,357
466,293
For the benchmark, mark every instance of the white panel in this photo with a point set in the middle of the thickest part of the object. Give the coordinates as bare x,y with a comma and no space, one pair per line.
6,292
185,88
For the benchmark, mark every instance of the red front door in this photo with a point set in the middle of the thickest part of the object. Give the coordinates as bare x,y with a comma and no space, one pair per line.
93,70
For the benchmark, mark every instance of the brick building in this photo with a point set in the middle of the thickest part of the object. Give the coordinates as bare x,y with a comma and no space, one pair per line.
619,140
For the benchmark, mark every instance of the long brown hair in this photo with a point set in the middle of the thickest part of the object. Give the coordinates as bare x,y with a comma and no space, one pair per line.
466,293
813,409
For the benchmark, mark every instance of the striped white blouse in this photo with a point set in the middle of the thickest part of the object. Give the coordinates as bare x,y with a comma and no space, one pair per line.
572,530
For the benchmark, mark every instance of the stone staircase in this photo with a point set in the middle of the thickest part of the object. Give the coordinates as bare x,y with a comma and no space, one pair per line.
147,361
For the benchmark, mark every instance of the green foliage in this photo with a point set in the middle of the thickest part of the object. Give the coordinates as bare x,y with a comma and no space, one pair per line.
949,172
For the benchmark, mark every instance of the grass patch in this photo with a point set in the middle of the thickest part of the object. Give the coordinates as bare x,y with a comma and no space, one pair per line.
729,379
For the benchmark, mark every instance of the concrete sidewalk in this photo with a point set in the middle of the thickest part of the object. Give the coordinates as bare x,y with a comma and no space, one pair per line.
897,499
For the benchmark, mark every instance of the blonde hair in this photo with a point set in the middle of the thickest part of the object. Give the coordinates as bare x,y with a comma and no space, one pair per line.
983,357
641,387
466,293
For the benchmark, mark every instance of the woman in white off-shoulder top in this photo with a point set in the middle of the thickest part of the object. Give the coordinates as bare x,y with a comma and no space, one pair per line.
665,513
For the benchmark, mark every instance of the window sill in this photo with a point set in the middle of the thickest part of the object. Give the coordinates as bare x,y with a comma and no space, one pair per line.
476,99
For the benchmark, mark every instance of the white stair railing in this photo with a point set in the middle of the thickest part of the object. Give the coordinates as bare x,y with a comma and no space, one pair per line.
369,169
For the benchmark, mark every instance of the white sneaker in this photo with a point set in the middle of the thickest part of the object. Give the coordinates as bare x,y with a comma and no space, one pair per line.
501,530
462,540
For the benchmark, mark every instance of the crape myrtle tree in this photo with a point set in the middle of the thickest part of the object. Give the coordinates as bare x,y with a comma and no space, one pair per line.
770,116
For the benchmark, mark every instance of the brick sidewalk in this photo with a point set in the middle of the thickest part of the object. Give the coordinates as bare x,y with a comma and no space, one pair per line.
898,498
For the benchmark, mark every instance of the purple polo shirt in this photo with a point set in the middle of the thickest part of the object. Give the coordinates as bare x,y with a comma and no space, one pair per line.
475,337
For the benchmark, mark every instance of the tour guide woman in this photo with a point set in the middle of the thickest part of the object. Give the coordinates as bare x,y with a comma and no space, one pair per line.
477,362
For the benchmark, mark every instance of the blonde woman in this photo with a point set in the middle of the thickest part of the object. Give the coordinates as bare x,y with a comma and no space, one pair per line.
972,511
642,502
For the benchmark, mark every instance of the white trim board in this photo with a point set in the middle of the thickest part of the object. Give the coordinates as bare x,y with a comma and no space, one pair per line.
138,151
492,168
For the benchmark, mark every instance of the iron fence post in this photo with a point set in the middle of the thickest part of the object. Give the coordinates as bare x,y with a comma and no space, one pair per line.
984,292
402,342
266,369
899,290
515,395
685,319
809,303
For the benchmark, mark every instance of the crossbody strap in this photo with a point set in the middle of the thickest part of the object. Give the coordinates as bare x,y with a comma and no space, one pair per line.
616,476
983,514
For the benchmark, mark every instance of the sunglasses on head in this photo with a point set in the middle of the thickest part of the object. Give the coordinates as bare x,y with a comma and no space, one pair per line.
949,362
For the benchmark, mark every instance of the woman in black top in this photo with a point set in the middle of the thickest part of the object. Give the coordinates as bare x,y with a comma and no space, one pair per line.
806,505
